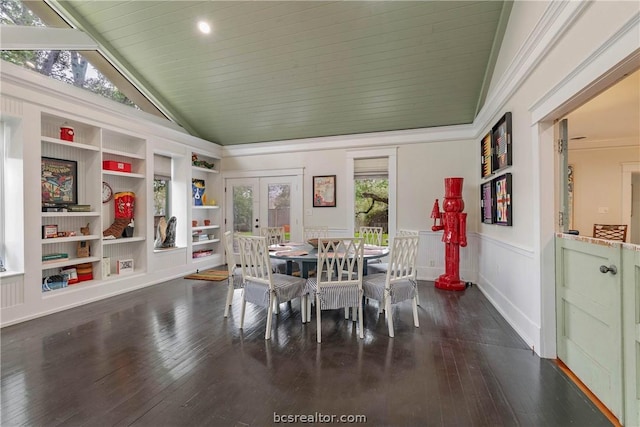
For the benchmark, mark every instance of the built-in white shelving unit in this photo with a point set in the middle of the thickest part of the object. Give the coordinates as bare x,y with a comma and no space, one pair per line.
206,218
34,111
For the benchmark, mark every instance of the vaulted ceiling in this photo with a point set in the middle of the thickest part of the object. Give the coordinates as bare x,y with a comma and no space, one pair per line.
295,69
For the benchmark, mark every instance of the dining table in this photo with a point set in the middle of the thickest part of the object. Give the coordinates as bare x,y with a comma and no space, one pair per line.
306,255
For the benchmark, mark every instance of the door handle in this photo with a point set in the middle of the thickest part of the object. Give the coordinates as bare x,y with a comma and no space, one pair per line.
611,269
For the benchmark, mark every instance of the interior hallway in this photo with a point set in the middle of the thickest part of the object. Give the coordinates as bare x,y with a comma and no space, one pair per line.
165,356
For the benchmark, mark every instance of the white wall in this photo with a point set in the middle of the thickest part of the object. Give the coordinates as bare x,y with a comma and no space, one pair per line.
572,46
635,209
597,185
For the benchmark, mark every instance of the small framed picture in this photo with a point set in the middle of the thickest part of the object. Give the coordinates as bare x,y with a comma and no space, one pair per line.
487,197
486,155
324,191
503,199
124,266
501,136
59,181
49,231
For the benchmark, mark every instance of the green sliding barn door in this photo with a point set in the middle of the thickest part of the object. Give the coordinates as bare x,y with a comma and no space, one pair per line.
589,316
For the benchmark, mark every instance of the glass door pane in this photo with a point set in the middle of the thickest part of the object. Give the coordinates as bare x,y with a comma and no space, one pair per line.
243,206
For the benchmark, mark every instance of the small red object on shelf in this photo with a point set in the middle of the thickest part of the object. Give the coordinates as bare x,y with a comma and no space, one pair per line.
66,132
112,165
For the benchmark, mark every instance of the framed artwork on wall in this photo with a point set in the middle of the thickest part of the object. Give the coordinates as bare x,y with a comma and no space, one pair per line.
502,147
503,200
487,199
486,158
324,191
58,181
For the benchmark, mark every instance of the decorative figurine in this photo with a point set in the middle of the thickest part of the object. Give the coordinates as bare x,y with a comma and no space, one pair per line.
454,223
123,224
166,233
83,248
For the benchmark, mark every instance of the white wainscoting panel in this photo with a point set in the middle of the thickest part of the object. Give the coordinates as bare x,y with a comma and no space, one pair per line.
11,290
505,277
431,257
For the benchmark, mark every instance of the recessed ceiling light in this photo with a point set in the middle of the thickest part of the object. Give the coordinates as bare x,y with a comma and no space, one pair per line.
204,27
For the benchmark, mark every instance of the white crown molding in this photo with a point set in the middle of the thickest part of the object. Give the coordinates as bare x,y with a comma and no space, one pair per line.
579,85
362,140
603,144
556,20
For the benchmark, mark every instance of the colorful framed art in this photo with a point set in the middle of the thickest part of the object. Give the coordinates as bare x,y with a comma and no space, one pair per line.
487,199
324,191
58,182
502,148
503,200
486,155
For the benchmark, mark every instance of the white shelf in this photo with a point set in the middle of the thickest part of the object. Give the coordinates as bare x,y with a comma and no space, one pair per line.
69,261
205,170
204,242
70,239
122,153
205,227
69,143
63,214
123,240
127,174
205,207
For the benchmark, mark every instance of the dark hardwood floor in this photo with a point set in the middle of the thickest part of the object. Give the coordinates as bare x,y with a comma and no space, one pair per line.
165,356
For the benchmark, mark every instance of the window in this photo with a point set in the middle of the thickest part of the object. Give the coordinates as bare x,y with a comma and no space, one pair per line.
371,182
70,67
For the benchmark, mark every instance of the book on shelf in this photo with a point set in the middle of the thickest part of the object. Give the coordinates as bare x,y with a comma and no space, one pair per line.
48,258
79,208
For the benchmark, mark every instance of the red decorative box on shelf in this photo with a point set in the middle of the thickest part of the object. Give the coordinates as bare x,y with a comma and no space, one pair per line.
112,165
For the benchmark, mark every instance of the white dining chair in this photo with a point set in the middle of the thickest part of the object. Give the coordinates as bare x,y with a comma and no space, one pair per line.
275,236
381,267
262,287
235,273
371,235
399,283
338,281
316,232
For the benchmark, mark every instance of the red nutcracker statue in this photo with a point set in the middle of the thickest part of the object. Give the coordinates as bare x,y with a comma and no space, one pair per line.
454,224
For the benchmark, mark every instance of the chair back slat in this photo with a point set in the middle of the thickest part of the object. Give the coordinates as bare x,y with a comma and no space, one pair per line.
317,232
402,259
371,235
274,235
254,259
616,232
340,261
339,272
227,238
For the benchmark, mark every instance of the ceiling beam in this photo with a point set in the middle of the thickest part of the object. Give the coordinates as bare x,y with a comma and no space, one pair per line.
17,37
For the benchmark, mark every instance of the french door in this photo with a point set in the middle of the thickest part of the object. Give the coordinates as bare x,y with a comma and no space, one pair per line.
271,201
